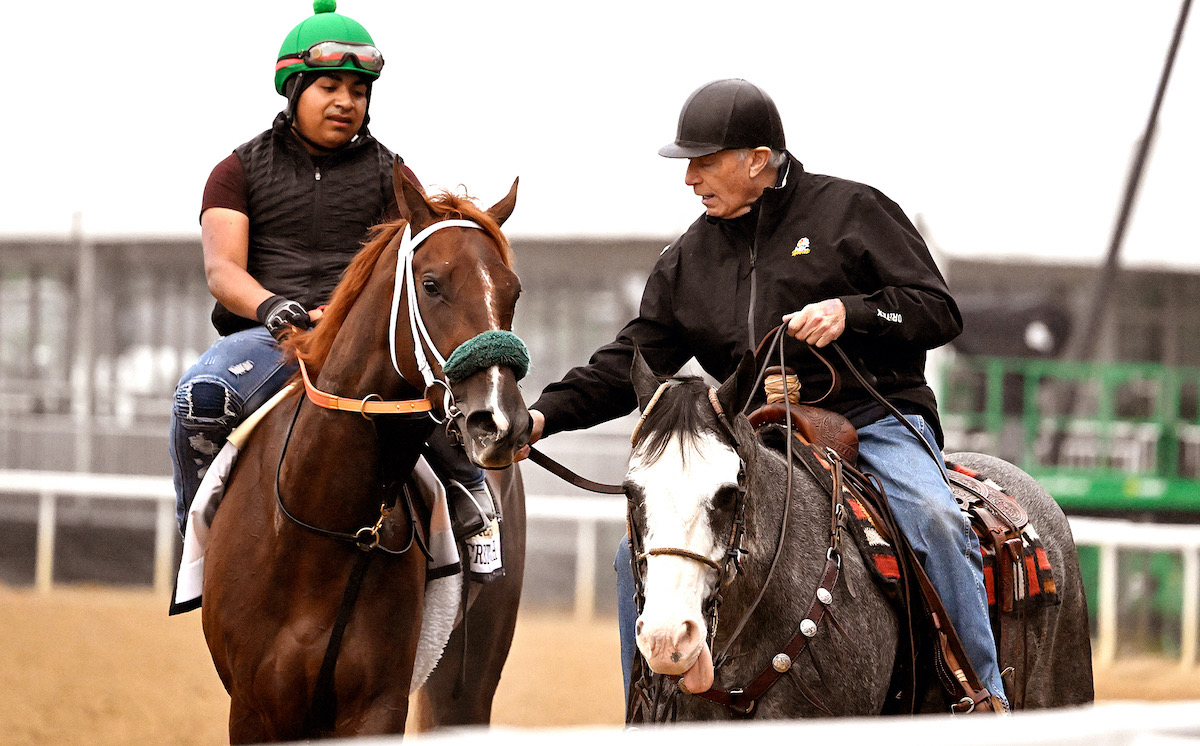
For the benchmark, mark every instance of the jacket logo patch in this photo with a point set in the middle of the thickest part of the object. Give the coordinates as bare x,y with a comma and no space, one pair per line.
801,247
895,318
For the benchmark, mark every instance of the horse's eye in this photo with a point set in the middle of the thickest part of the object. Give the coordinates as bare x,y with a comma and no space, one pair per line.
430,287
633,495
725,497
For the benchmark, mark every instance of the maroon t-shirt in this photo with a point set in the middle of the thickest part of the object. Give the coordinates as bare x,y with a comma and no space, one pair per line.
226,186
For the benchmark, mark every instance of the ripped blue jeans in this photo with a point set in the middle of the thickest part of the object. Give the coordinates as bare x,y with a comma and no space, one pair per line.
236,376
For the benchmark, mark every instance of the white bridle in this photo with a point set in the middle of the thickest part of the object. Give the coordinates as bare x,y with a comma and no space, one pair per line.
404,279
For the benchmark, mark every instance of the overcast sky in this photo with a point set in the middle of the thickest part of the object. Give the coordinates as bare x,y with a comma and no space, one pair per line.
1008,127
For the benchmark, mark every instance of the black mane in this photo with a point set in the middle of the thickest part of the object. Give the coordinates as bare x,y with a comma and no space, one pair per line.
683,410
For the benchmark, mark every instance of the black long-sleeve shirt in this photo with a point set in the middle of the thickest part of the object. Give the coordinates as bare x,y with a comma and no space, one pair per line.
724,284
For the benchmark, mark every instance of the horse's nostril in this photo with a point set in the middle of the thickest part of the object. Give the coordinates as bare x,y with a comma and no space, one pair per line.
482,423
686,633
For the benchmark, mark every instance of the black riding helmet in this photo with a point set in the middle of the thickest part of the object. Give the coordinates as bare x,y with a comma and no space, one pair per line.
726,115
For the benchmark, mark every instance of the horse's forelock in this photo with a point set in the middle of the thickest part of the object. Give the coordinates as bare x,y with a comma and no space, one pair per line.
460,206
684,412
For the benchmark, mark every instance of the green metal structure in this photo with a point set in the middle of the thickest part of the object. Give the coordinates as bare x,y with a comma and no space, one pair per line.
1132,445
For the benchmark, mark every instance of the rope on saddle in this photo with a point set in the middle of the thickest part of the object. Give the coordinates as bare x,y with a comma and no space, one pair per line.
492,347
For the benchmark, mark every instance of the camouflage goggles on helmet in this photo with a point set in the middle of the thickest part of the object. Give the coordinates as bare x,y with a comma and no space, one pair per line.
335,54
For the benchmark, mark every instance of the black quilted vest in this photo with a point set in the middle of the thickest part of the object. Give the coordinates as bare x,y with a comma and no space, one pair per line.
308,216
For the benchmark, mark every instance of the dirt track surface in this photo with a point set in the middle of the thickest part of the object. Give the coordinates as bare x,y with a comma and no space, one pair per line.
101,667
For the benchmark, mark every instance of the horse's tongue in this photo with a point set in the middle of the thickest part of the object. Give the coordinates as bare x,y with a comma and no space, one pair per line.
699,678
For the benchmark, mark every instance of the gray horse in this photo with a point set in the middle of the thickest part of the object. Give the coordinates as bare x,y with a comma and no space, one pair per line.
687,474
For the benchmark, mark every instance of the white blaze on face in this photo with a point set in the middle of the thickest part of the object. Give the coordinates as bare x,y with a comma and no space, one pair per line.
489,298
493,403
493,373
677,495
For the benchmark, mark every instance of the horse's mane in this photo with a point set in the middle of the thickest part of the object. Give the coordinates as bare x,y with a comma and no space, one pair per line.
313,345
684,412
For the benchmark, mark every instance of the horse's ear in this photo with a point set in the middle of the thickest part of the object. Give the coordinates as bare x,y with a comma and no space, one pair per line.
410,200
504,208
737,389
645,383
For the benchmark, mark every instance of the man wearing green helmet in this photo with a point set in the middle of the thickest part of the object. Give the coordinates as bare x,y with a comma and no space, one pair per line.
281,218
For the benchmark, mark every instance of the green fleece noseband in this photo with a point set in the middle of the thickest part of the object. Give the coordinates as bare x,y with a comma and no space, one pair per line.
485,350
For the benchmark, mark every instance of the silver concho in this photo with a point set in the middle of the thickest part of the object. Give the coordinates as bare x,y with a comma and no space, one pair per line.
824,596
781,662
808,627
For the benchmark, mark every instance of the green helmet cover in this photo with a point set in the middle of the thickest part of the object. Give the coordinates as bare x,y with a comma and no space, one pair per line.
324,25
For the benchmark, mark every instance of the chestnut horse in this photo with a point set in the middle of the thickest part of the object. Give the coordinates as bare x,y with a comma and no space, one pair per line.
698,477
283,576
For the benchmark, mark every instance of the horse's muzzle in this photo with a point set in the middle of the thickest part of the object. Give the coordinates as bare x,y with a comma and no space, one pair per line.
493,423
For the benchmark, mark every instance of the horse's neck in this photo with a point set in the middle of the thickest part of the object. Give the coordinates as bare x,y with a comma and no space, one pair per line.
805,541
341,453
359,363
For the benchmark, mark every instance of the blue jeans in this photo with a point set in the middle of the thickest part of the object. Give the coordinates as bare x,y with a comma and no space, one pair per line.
930,518
236,376
627,611
938,531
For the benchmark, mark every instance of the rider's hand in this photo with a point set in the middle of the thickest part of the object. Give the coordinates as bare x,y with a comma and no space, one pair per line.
818,323
537,423
279,315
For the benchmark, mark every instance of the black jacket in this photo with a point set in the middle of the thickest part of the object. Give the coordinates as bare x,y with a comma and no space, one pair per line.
308,216
718,289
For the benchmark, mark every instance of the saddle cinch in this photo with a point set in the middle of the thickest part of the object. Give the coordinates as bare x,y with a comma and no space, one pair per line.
1016,569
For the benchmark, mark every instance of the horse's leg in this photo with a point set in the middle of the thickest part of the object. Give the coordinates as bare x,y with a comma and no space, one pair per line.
245,726
460,689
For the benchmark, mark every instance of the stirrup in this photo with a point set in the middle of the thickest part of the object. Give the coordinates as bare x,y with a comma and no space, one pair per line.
471,508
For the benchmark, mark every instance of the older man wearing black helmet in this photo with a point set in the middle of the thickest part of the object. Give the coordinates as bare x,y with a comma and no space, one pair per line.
833,260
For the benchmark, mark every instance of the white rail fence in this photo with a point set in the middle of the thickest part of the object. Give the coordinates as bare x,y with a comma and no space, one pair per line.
589,514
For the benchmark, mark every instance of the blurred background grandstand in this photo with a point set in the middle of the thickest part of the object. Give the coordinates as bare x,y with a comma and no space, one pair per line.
95,328
94,334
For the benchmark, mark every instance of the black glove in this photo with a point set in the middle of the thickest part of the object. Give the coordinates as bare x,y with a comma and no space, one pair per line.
279,315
